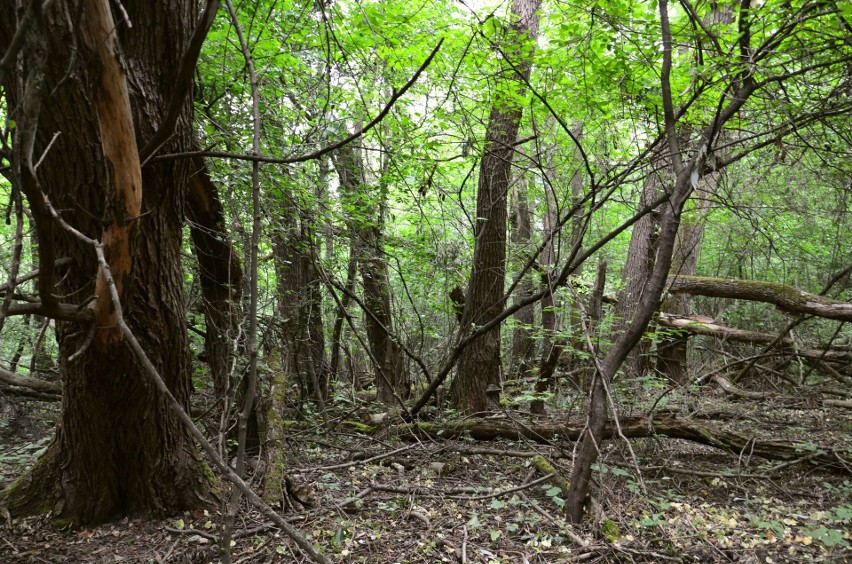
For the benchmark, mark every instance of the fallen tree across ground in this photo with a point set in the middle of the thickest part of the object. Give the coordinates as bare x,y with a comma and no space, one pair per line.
786,298
632,428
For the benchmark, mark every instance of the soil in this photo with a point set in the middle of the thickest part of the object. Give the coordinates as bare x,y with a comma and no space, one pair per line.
380,498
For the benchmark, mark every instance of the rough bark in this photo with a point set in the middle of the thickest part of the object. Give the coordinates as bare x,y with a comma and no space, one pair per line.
119,448
788,299
366,222
480,362
219,274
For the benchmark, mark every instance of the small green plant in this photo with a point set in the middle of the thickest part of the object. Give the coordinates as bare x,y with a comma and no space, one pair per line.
828,537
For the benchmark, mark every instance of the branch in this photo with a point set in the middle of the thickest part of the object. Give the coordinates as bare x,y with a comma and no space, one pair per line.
33,384
183,82
397,94
786,298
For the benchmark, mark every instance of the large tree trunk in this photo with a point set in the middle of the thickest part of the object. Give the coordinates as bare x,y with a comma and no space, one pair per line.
480,362
119,448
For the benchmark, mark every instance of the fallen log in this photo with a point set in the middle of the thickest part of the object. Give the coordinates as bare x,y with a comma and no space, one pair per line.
786,298
734,390
699,325
29,383
632,428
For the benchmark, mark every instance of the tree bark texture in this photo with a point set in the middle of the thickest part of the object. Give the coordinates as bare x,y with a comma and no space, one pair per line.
219,274
119,448
787,299
366,237
480,362
300,301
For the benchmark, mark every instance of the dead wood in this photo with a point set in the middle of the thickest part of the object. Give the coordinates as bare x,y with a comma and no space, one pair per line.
29,383
631,427
786,298
700,325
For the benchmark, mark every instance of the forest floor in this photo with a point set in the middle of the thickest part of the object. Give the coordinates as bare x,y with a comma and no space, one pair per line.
384,497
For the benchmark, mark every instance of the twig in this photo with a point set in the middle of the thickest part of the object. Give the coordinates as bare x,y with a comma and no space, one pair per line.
397,94
204,534
499,493
367,460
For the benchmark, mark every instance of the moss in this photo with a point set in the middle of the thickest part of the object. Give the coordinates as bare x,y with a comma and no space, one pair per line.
274,481
209,475
609,530
33,493
360,427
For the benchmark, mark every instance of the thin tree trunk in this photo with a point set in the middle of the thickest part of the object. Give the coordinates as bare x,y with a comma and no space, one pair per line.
672,349
523,345
300,300
637,271
366,240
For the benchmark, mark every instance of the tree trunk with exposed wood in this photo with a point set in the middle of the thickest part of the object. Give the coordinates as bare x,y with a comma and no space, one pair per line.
119,448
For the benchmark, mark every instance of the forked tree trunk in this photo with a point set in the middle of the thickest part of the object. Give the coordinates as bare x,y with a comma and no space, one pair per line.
480,362
119,448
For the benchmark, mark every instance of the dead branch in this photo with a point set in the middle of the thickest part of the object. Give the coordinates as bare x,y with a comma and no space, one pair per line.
632,427
787,298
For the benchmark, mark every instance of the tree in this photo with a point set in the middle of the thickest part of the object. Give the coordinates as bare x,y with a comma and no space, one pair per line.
480,362
119,448
366,238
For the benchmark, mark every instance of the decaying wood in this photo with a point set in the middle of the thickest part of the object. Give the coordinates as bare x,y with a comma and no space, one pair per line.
700,325
29,383
632,427
786,298
118,140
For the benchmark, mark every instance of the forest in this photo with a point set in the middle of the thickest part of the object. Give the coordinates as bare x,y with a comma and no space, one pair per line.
462,281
